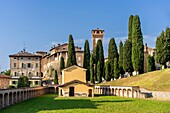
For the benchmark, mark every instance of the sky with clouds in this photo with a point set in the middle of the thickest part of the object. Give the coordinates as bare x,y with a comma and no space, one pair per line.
39,24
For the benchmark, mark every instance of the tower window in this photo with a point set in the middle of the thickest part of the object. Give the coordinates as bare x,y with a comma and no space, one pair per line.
97,32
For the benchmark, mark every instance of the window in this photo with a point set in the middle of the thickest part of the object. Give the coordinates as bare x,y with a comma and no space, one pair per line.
29,58
36,65
21,58
15,73
13,82
15,65
36,82
14,57
22,65
36,58
97,32
37,73
29,65
29,73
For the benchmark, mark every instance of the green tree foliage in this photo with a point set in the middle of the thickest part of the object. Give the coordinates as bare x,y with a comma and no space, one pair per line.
116,69
55,77
23,82
137,46
101,56
86,63
91,69
167,44
107,71
160,53
112,53
150,63
99,72
121,58
6,72
71,52
130,27
127,60
62,64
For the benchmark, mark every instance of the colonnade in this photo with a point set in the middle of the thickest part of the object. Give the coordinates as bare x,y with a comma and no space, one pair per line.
13,96
122,91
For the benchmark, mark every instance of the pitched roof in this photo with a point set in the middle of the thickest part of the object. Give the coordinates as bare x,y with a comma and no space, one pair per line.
4,76
24,54
74,67
75,81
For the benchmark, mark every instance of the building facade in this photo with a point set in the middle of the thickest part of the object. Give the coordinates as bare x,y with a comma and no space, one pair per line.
26,64
51,61
74,83
4,81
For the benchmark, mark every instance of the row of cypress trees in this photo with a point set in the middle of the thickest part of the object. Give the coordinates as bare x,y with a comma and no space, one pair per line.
130,57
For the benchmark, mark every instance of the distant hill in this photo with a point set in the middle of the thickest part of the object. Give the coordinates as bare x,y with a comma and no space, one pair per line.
154,81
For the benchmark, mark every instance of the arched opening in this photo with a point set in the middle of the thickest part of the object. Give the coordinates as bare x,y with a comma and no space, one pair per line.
10,98
21,96
113,91
6,100
14,97
129,93
18,96
90,93
1,101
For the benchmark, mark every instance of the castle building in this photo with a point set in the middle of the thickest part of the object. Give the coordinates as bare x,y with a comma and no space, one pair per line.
97,34
51,61
26,64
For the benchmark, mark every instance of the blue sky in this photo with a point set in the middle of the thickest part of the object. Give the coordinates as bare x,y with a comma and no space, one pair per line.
41,23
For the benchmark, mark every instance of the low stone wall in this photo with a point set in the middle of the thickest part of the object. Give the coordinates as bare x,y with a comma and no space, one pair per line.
12,96
159,94
122,91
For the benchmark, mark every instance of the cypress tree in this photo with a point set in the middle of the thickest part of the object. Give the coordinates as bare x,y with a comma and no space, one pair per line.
55,77
62,64
107,71
121,58
86,62
91,69
101,56
116,69
137,46
160,52
167,44
127,61
150,63
112,53
130,27
71,52
99,72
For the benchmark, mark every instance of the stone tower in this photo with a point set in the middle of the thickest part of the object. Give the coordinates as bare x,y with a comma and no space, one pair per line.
96,35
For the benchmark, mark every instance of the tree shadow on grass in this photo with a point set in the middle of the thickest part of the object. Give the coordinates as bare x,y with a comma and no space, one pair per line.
49,102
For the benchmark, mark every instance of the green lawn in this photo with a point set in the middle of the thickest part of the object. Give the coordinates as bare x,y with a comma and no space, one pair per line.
154,81
101,104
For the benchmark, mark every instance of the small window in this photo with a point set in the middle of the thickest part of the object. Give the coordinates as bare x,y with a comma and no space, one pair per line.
22,74
36,65
36,82
29,65
15,65
97,32
15,73
36,58
29,58
21,58
13,82
14,57
64,48
22,65
37,73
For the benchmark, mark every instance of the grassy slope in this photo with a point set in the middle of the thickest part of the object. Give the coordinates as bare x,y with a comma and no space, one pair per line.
101,104
155,81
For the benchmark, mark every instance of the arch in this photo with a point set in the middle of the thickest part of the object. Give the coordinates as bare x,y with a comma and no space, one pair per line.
18,96
90,93
6,99
1,101
14,97
10,98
